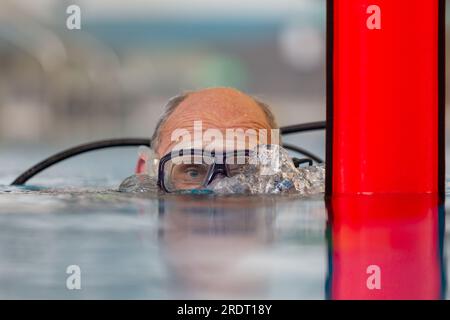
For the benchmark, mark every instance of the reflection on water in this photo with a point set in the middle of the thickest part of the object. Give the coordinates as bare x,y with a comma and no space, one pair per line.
241,247
386,247
185,246
209,246
167,247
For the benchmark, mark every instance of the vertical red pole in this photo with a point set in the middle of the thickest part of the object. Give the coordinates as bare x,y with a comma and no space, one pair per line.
385,96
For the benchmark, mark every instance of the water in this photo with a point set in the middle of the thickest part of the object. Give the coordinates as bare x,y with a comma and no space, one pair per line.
148,247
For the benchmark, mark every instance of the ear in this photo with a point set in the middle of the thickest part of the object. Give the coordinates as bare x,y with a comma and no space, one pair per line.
141,166
143,158
147,161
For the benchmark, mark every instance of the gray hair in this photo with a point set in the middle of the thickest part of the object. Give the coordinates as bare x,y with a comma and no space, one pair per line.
174,102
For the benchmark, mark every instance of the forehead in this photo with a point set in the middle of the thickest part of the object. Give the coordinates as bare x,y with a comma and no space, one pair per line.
222,111
221,105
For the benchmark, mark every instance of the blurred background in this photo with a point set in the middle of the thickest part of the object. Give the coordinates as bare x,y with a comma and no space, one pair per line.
60,87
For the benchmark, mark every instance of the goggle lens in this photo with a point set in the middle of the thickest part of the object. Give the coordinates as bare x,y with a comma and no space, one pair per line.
188,172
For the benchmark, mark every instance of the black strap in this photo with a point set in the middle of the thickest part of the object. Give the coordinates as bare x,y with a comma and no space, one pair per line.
132,142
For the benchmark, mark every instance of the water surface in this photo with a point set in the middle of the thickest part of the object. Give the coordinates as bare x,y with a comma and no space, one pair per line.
149,247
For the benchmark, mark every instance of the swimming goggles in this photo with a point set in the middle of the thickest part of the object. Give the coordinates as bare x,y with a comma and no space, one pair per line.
194,169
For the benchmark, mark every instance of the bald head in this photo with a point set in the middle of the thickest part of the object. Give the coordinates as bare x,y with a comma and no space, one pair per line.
216,108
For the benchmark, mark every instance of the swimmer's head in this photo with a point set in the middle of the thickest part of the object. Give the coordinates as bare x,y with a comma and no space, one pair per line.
214,116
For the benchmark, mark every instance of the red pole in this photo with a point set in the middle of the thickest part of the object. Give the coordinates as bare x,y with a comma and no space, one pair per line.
385,96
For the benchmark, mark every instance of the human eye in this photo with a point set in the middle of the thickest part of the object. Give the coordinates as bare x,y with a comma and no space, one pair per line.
189,173
192,172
